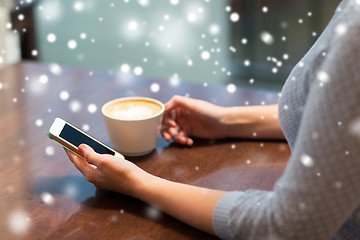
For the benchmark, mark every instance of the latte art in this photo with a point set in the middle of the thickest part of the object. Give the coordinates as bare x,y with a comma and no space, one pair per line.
133,109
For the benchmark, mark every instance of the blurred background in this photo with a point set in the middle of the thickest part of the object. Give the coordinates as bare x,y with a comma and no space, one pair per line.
242,42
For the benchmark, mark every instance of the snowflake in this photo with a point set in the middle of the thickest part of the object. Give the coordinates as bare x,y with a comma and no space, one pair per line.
153,213
234,17
189,62
306,160
355,127
47,198
214,29
205,55
92,108
34,52
155,87
133,25
50,150
247,63
232,49
86,127
78,6
138,71
267,38
338,184
71,190
174,2
51,37
39,122
19,222
55,69
75,106
174,80
21,17
341,29
72,44
323,77
43,79
64,95
231,88
125,68
192,17
265,9
144,3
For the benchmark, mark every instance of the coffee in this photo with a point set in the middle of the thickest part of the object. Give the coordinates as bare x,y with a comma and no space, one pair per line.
133,124
133,109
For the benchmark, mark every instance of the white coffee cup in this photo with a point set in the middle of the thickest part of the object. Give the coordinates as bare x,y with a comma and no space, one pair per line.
133,124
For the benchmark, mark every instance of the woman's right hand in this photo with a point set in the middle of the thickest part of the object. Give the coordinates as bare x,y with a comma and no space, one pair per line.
187,117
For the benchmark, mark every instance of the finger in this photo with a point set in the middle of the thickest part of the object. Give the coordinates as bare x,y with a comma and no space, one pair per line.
187,140
80,163
166,135
174,132
90,155
169,122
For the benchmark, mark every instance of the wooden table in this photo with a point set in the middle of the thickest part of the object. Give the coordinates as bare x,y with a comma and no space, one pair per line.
43,196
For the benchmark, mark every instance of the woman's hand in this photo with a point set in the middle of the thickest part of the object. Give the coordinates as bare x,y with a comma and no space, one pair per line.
187,117
190,204
106,171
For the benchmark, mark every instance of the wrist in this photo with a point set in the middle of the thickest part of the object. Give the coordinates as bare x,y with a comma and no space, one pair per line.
143,186
234,119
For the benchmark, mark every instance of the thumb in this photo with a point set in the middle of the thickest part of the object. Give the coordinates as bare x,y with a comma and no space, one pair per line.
89,154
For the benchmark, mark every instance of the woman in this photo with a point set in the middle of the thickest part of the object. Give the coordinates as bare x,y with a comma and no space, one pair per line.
318,197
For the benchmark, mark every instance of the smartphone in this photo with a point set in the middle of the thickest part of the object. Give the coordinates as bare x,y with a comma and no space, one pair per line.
71,137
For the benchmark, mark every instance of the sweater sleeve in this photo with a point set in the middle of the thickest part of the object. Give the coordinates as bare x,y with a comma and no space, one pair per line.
320,187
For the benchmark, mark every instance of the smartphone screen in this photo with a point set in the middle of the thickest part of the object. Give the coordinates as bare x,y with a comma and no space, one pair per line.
76,138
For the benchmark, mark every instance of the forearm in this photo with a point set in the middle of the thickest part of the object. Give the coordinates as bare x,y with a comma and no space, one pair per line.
190,204
259,122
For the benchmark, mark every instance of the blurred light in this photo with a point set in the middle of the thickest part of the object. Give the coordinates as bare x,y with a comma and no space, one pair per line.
205,55
75,106
133,25
267,38
125,68
138,71
19,222
51,37
92,108
47,198
174,2
78,6
214,29
155,87
191,17
234,17
72,44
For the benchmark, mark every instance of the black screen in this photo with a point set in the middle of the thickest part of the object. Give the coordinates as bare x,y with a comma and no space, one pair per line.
76,138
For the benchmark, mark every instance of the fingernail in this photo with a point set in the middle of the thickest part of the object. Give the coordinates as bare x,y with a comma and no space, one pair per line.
81,147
